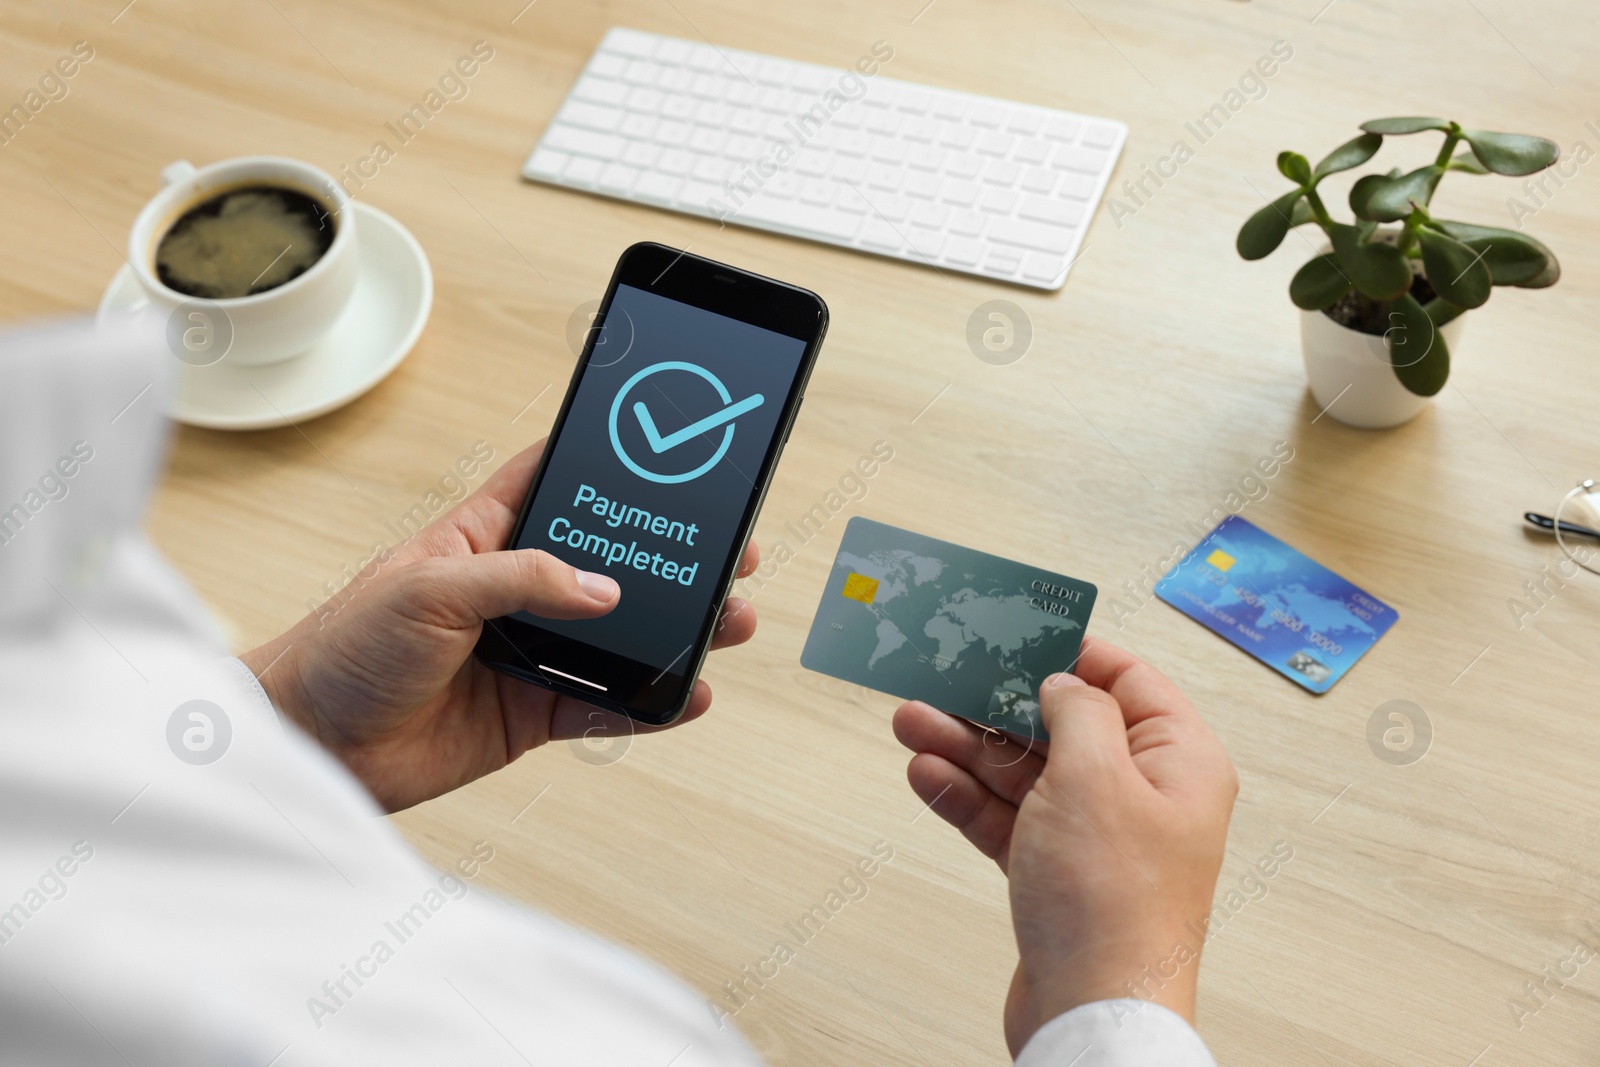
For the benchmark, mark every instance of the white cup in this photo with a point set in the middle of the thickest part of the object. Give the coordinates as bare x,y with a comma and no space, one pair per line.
266,327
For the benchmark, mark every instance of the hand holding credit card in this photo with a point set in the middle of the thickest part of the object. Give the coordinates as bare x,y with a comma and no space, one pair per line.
971,633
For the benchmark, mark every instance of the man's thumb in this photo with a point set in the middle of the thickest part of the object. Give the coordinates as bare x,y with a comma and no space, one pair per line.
492,584
1085,723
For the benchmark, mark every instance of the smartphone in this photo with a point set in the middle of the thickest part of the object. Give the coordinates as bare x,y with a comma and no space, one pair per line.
683,397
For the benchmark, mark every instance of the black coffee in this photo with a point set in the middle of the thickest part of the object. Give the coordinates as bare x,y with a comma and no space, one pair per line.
246,240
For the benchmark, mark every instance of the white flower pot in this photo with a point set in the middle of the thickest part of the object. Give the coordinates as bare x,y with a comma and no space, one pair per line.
1351,376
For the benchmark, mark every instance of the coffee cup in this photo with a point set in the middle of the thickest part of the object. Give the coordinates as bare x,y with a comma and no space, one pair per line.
196,244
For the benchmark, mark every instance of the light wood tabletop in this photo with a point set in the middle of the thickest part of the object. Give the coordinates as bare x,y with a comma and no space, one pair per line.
1420,899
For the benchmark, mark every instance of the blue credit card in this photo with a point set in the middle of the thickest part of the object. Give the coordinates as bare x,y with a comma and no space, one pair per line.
922,619
1284,608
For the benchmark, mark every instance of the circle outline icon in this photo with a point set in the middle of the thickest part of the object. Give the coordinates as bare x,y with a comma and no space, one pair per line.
627,387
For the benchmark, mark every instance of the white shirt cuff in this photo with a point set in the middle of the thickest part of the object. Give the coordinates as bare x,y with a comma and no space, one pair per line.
1116,1033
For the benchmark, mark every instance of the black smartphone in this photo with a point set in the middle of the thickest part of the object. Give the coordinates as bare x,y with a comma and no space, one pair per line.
689,382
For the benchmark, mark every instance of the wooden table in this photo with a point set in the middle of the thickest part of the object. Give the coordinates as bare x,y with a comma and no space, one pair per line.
1419,898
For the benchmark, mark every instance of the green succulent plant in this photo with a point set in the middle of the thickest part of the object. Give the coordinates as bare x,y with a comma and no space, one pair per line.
1462,261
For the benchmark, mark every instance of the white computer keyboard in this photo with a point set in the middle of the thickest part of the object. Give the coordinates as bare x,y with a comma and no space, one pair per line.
956,181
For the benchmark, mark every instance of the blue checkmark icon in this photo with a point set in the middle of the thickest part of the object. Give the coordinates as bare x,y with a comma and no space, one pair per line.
723,417
659,444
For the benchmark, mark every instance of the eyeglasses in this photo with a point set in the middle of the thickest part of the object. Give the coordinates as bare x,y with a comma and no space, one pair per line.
1576,525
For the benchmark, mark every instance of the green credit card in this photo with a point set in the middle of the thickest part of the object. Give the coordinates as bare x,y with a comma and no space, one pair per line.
971,633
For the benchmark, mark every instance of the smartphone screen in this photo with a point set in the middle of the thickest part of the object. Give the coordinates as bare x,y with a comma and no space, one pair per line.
655,471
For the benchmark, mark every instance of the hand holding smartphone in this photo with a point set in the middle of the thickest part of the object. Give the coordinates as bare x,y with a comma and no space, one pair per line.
671,429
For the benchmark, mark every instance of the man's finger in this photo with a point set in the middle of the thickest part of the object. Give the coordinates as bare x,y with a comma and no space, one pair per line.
1085,724
461,591
737,624
961,800
1140,689
1005,766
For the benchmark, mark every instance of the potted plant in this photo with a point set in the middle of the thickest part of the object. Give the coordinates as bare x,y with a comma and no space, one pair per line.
1381,304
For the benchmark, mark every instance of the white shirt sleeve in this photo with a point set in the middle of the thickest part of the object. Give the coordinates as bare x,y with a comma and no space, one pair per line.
1116,1033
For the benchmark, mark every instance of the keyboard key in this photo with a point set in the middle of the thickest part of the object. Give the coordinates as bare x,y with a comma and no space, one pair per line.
881,94
953,136
547,163
607,65
998,201
703,198
1099,135
923,185
1035,235
1044,209
893,208
1032,150
995,143
812,162
925,157
925,244
713,113
961,166
583,171
1078,186
773,72
1039,179
1083,160
786,186
963,251
1002,172
930,215
703,57
675,161
883,176
1025,122
887,151
916,101
967,223
987,114
743,148
673,133
851,202
713,169
794,215
678,107
881,235
704,139
618,178
812,191
884,121
646,101
675,80
641,154
1062,129
854,143
657,187
949,106
630,42
600,90
960,193
1043,268
584,142
590,116
1002,261
639,127
670,50
921,130
850,170
641,72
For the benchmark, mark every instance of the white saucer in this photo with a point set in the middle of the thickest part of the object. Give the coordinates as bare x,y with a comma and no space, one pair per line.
377,330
